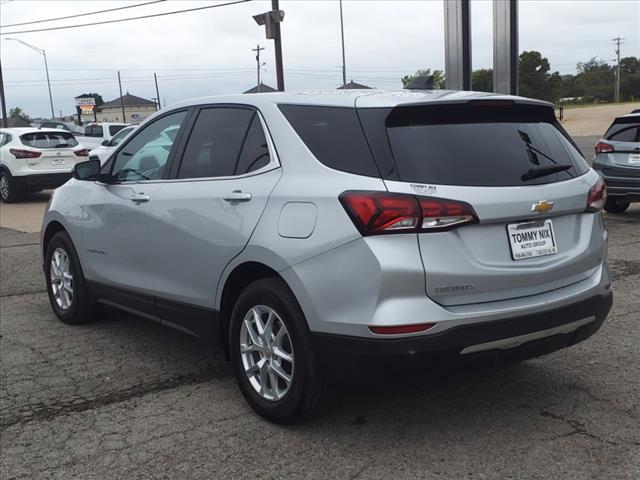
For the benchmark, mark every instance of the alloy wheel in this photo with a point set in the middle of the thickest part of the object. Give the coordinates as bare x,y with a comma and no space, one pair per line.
61,278
267,352
4,187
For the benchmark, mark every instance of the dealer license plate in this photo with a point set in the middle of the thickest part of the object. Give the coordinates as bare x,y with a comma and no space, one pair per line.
531,239
634,158
58,161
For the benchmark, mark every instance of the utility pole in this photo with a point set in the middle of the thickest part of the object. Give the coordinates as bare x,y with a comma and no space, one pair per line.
124,118
155,78
618,41
3,100
257,50
275,6
344,67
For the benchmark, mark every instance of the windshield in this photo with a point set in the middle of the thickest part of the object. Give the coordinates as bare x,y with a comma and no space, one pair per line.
60,139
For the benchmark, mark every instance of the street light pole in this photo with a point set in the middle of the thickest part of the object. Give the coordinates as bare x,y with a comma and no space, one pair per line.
344,66
46,68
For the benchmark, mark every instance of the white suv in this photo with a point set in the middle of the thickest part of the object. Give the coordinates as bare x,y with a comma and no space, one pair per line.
33,159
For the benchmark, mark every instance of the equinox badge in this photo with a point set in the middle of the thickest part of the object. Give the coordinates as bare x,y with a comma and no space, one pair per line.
542,206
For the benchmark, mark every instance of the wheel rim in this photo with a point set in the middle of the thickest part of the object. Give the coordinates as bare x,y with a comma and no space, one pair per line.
4,187
61,279
267,352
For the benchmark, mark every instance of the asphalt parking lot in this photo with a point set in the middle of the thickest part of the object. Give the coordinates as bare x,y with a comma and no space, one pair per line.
126,398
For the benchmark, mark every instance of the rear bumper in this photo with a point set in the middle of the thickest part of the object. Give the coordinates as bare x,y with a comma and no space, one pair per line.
357,360
620,185
41,181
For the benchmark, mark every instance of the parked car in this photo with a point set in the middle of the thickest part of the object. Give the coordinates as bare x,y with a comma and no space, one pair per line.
340,237
617,160
68,126
107,146
33,159
96,133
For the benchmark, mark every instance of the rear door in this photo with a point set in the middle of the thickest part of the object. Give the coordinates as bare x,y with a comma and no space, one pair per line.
203,217
56,150
532,234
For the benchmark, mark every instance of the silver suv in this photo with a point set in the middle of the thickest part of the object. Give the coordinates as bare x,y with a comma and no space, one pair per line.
617,160
348,236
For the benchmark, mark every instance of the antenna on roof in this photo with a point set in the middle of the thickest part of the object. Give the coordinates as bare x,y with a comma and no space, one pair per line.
420,83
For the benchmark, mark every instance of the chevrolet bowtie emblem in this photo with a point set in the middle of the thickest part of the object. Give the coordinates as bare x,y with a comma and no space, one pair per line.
542,206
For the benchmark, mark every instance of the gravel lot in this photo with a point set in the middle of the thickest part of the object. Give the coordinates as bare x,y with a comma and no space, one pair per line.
126,398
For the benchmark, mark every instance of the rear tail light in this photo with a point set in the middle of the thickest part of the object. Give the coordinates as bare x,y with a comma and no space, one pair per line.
597,197
377,213
83,152
402,329
604,147
19,153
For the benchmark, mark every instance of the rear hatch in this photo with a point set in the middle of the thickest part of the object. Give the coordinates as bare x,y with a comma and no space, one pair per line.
618,153
56,150
520,172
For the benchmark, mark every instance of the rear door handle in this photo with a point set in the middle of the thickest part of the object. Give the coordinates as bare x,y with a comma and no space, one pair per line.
237,196
140,198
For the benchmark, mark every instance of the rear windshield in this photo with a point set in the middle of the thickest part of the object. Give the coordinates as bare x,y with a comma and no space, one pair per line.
113,129
93,131
60,139
477,146
624,129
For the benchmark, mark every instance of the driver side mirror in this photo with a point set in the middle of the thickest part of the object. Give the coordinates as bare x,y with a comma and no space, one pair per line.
88,171
106,143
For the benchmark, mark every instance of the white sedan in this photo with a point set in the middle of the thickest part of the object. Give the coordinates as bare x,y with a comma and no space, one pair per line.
108,146
33,159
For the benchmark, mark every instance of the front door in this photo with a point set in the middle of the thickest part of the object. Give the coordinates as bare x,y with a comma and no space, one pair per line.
115,227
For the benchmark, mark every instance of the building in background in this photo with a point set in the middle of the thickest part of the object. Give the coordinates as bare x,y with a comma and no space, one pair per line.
262,88
353,86
136,109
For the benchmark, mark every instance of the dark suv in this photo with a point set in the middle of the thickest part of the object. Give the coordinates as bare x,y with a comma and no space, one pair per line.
617,161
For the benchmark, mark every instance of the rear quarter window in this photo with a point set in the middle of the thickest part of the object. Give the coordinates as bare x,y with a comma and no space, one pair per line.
334,136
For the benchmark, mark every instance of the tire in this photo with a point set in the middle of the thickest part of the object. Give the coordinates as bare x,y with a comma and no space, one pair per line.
9,193
303,395
80,308
613,205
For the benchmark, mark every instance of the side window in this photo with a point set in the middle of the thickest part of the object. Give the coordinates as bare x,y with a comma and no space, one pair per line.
215,142
255,151
145,155
3,137
113,129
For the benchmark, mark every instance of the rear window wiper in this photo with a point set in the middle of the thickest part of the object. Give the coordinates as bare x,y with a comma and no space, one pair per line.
544,171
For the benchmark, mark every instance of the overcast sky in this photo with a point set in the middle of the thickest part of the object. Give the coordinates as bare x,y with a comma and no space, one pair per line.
209,52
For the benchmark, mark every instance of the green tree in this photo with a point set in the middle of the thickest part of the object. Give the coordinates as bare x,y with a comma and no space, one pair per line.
595,80
534,80
482,80
17,112
630,78
438,77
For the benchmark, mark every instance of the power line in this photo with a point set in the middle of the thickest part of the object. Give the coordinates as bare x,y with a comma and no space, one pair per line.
126,19
81,14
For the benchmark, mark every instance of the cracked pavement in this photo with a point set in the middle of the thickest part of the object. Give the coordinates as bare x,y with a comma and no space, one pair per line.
126,398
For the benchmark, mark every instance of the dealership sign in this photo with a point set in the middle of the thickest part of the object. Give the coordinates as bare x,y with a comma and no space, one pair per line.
85,101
